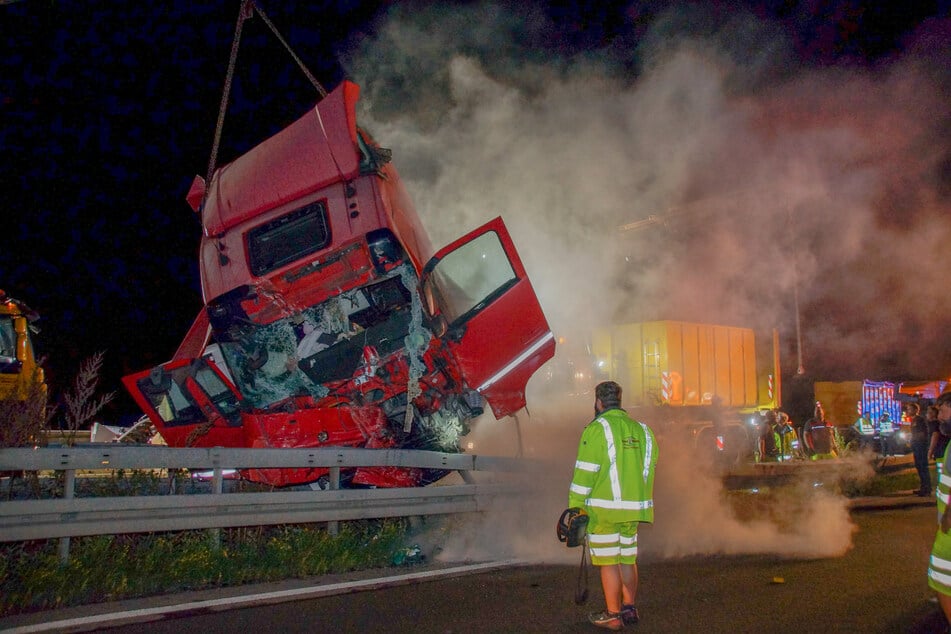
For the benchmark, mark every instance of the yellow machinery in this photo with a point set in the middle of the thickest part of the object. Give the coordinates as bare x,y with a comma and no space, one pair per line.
20,374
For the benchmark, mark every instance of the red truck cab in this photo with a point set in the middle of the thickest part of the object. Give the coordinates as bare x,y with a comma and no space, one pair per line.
330,321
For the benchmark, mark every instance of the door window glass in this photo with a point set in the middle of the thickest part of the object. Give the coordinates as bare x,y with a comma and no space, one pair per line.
218,391
471,277
8,338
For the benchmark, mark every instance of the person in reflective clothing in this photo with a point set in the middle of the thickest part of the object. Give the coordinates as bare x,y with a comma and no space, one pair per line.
939,442
939,568
613,482
886,433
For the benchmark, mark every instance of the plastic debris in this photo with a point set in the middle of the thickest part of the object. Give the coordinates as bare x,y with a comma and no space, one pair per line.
408,556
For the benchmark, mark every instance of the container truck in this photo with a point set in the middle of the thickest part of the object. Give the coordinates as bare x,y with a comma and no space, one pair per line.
703,376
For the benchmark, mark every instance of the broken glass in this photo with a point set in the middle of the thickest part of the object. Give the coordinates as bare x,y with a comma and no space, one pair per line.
299,354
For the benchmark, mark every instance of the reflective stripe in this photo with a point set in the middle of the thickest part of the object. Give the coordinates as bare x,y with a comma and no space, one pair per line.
620,504
940,564
942,496
945,479
617,502
610,545
517,361
587,466
650,450
941,578
628,546
580,490
612,459
608,538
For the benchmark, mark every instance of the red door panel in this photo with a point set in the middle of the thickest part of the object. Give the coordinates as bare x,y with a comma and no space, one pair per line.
178,396
496,328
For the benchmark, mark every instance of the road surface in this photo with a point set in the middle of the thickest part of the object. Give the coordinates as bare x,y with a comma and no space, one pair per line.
878,586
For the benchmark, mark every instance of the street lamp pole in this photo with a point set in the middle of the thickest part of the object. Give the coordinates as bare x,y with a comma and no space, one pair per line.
800,370
795,263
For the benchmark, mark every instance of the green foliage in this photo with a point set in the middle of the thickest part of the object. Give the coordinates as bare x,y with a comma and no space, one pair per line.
113,567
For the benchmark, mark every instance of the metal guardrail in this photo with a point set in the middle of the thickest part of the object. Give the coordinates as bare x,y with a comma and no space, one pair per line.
70,516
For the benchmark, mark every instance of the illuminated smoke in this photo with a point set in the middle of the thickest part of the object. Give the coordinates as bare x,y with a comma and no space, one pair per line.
693,514
765,170
766,173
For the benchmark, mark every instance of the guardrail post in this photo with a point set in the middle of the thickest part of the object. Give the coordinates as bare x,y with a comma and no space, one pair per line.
217,487
69,488
467,476
333,526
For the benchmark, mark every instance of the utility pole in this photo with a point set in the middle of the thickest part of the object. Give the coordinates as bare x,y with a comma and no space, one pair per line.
795,262
801,370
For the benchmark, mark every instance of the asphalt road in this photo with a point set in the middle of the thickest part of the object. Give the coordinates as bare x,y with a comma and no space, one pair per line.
878,586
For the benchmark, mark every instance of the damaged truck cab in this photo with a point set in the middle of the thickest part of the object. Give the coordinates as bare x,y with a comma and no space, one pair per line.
330,321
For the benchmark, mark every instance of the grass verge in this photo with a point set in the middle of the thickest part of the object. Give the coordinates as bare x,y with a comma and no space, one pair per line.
114,567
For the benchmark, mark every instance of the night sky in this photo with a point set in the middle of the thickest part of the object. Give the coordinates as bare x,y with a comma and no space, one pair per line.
108,111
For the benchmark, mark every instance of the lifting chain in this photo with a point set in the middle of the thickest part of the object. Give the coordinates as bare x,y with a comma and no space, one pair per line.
247,10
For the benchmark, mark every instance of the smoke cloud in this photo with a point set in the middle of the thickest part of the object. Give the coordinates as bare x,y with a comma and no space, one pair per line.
694,514
762,173
688,166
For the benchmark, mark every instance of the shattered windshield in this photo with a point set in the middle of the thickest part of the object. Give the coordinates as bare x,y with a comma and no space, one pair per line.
299,354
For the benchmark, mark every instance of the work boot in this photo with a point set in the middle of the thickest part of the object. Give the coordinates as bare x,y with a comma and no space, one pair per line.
629,615
607,620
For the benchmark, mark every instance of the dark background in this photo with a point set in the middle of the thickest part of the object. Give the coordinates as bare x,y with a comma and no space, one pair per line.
108,111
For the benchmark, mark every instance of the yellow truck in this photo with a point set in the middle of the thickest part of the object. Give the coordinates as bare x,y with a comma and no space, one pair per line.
704,375
20,374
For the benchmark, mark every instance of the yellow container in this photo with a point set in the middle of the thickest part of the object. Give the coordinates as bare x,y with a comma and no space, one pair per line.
682,364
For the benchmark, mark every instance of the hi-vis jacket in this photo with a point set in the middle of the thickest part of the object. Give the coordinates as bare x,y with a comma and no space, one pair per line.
614,472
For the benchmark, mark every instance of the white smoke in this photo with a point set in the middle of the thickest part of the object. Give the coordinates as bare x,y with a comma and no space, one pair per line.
763,176
768,174
694,513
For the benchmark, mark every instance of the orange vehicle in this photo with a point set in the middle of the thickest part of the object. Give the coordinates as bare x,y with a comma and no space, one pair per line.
329,319
20,372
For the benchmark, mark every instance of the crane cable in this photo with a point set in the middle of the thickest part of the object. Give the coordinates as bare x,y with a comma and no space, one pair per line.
247,10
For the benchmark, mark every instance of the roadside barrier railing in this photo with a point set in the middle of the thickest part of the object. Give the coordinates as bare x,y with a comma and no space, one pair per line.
71,516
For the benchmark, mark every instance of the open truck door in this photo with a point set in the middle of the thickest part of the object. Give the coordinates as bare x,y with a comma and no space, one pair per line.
492,322
181,395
